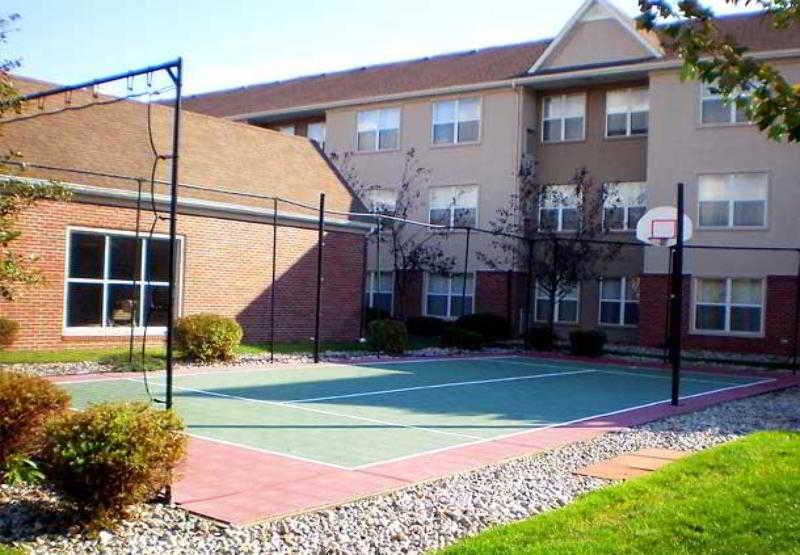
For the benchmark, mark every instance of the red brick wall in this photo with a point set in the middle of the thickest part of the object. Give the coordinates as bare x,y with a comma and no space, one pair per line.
779,318
408,300
227,270
501,293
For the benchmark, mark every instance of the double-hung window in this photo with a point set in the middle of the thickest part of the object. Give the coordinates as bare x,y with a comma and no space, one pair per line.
559,208
563,118
316,132
566,308
729,305
382,201
380,290
116,281
454,206
619,301
378,130
736,200
456,121
444,294
627,112
623,205
717,108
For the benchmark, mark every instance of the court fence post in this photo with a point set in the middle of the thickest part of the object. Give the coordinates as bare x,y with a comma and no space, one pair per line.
526,318
676,312
464,280
320,244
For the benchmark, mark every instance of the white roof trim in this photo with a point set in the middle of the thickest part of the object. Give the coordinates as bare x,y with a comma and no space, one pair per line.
623,20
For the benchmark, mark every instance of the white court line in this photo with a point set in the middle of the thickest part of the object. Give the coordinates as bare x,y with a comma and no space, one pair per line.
434,386
659,377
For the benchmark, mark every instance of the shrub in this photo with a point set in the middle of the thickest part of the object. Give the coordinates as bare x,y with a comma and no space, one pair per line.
119,362
376,313
26,403
588,343
426,326
541,337
207,337
8,332
112,455
490,326
388,336
461,338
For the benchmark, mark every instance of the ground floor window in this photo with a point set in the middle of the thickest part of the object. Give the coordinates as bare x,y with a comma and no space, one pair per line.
619,301
115,280
444,295
730,305
380,290
566,309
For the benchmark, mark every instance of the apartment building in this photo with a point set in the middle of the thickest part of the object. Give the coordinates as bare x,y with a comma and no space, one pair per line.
600,95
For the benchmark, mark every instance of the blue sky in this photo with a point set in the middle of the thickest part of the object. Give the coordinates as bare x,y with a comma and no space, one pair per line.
230,43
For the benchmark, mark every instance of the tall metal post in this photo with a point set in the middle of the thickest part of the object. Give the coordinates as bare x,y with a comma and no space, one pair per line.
375,284
464,280
272,288
676,312
320,241
666,353
526,318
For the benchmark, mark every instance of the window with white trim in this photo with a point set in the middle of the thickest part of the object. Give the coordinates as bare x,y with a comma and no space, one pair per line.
716,108
383,201
623,205
316,132
286,129
444,295
729,305
619,301
563,118
378,130
559,208
566,309
454,206
627,112
456,121
110,276
737,200
380,291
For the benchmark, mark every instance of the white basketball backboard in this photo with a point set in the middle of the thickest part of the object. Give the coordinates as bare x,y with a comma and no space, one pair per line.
659,227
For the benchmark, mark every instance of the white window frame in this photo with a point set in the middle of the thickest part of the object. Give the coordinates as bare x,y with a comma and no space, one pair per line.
622,301
731,204
371,290
545,296
607,203
455,286
706,94
728,305
560,208
456,121
322,126
628,92
378,129
453,205
563,98
378,206
105,282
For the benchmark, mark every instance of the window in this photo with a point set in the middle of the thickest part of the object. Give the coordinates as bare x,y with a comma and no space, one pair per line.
729,305
456,121
558,208
286,129
716,108
444,295
110,276
563,118
619,301
454,206
624,204
627,112
383,201
379,291
316,132
378,130
566,310
733,200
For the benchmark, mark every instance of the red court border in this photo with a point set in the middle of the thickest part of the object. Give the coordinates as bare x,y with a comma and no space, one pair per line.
242,486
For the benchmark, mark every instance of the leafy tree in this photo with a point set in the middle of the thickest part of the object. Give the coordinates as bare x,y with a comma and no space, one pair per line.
757,86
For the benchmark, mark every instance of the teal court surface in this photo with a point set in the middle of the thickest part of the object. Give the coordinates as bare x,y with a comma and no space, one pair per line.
375,424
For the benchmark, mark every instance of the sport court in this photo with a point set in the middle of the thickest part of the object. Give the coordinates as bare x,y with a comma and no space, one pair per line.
368,418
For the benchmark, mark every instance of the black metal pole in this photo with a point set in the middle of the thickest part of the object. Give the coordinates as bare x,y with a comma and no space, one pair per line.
376,278
320,241
676,313
272,288
464,281
526,318
671,258
796,316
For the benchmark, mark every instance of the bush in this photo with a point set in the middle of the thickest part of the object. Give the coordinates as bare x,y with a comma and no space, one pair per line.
461,338
111,456
490,326
426,326
26,403
388,336
587,343
541,337
119,362
375,313
8,332
207,337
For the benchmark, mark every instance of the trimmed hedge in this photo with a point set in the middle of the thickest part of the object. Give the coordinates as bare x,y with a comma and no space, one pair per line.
388,336
208,337
541,337
587,343
8,332
426,326
461,338
490,326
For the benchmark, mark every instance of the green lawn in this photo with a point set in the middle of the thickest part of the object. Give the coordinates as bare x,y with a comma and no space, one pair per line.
743,497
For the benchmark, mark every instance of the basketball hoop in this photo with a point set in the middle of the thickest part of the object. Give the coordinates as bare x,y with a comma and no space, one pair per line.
659,227
663,231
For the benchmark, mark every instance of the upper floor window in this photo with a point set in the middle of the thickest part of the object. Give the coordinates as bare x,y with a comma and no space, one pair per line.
445,293
559,208
619,301
563,118
732,305
627,112
456,121
383,201
623,205
316,132
378,130
733,200
286,129
716,108
454,206
566,305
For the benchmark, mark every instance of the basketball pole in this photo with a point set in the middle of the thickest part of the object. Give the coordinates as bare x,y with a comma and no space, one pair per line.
676,302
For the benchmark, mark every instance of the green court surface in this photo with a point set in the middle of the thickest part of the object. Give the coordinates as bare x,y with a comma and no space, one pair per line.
352,416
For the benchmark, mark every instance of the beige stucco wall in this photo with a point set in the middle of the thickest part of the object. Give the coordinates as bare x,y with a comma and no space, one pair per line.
592,42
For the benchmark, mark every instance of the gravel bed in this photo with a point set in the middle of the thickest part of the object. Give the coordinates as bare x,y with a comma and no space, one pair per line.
412,520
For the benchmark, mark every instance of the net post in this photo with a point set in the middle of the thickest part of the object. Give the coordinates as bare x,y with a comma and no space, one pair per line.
676,312
526,318
272,292
320,240
464,277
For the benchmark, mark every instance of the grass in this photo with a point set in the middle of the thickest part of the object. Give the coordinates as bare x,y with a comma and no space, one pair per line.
741,497
5,550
